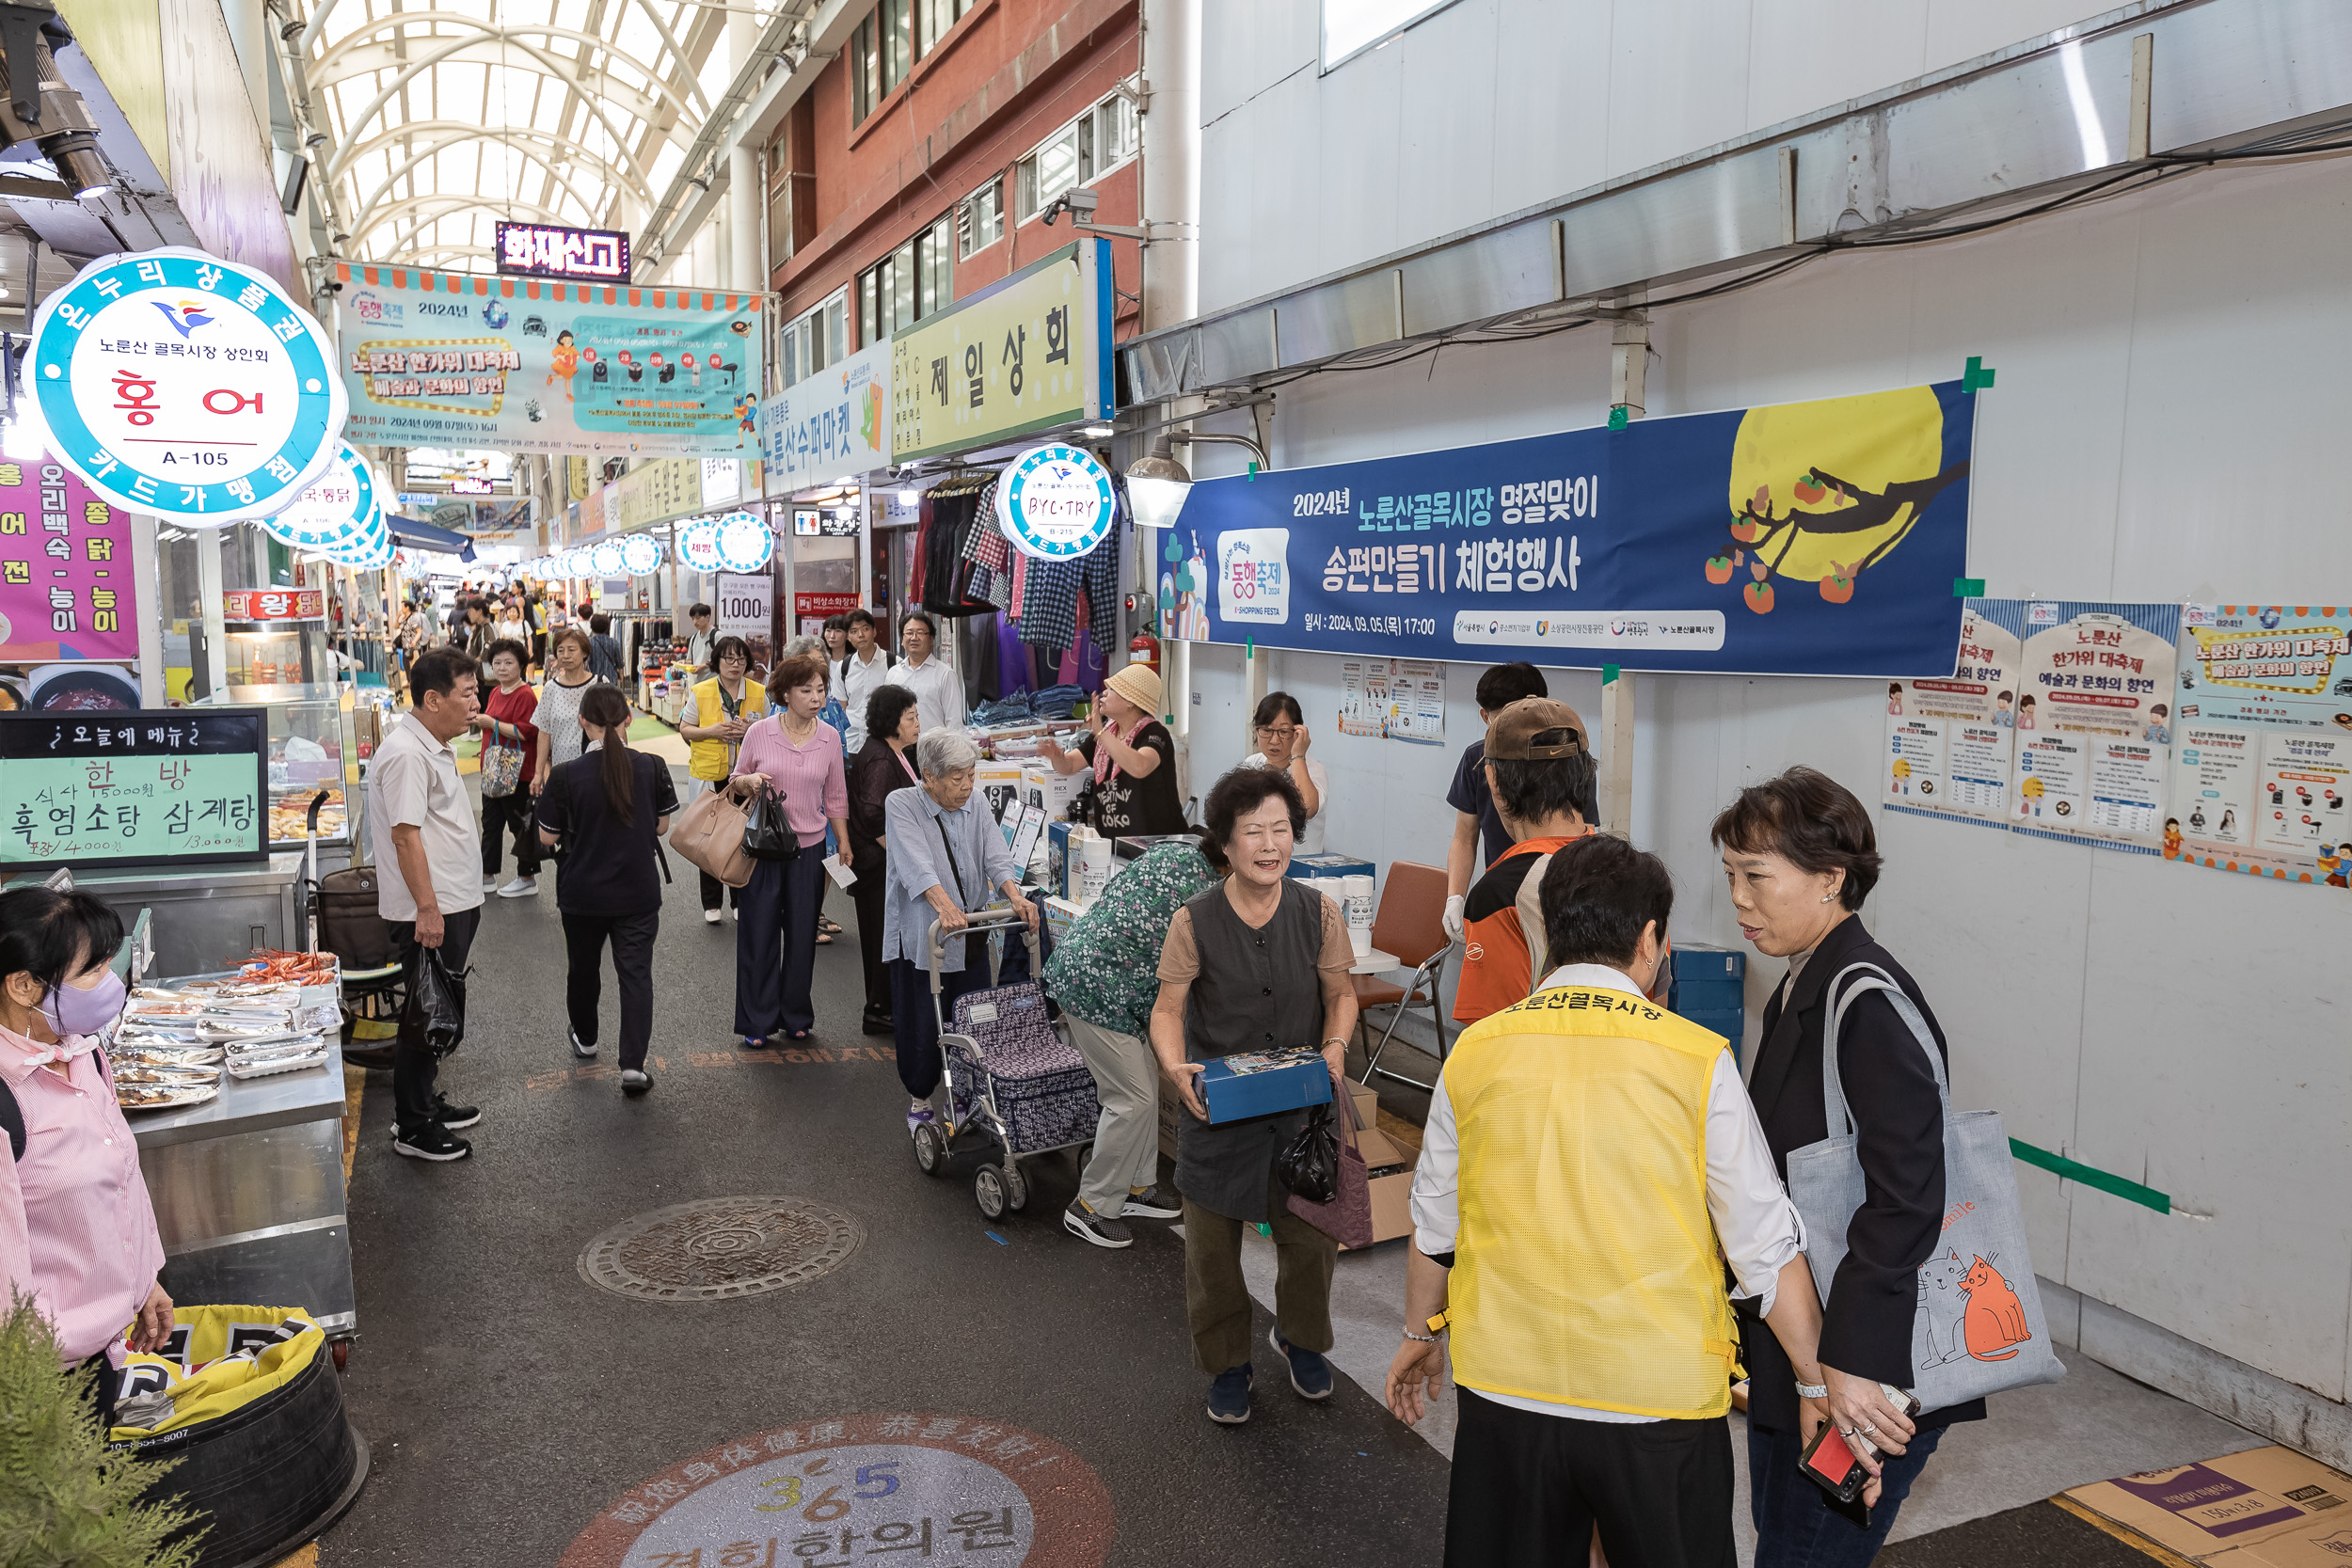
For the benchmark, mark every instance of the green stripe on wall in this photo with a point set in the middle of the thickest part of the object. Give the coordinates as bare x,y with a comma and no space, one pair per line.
2074,1170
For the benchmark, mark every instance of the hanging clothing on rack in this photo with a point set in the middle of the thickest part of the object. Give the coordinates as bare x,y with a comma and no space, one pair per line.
953,510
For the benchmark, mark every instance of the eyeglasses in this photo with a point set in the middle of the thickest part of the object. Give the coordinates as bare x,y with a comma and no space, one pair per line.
1280,732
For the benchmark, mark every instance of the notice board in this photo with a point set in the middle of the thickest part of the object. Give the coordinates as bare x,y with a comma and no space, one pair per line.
154,786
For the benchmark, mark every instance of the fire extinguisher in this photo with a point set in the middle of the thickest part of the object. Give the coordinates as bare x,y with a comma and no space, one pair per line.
1145,649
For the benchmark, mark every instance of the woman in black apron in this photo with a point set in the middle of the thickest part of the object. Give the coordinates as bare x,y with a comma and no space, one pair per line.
1259,962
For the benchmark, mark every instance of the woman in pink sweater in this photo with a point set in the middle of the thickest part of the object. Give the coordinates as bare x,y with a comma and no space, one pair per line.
794,750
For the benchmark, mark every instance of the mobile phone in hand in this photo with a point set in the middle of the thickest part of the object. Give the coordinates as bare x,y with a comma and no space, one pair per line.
1829,1461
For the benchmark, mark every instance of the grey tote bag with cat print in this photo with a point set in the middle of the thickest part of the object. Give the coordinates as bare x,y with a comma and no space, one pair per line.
1980,1327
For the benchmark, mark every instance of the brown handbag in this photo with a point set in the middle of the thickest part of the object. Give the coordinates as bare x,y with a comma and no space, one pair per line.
709,833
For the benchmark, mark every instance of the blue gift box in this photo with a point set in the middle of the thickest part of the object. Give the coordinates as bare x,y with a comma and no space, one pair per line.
1709,988
1268,1084
1329,864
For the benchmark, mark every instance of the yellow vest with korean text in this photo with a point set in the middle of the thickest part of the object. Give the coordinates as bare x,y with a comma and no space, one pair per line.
712,760
1586,1269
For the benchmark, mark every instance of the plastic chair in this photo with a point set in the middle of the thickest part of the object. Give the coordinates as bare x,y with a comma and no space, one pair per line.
1409,924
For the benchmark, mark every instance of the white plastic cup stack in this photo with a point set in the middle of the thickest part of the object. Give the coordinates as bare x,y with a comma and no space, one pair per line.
1356,899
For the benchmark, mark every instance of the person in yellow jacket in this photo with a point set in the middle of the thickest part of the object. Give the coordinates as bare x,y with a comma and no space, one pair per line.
1591,1162
714,719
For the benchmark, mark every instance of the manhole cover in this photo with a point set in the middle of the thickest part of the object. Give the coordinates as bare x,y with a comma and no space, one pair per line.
721,1248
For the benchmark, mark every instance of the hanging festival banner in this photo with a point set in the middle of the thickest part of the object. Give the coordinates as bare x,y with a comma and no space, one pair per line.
185,386
449,359
1810,538
67,590
2264,742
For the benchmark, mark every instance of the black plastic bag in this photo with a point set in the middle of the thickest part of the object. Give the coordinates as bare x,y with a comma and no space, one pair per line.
767,836
1310,1163
436,1006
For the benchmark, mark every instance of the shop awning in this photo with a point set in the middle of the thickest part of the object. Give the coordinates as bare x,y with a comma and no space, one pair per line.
425,537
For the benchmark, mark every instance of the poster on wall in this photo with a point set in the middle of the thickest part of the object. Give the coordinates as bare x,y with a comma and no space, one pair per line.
2263,739
66,591
1950,741
1813,538
450,359
2093,722
745,605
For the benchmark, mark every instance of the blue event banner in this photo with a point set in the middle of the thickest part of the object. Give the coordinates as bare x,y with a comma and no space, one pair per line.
1820,538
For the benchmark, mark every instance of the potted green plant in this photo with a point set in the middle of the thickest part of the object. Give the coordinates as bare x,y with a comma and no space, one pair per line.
64,1500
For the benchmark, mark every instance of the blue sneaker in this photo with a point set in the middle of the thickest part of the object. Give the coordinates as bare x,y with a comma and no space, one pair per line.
1310,1374
1228,1396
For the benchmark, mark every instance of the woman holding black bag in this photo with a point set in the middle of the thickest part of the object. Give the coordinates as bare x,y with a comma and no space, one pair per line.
794,753
1258,962
604,813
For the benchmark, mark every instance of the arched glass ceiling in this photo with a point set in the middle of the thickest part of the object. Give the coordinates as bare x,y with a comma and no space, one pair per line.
446,117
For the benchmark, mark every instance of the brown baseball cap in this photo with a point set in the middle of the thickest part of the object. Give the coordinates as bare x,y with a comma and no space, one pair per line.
1535,729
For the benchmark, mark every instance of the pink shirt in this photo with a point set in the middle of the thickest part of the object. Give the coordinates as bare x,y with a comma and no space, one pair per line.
76,1228
809,774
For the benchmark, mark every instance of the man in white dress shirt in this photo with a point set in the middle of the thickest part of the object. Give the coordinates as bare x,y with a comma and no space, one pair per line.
938,690
861,672
1587,1155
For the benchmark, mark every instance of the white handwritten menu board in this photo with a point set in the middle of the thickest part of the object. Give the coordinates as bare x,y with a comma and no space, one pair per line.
167,787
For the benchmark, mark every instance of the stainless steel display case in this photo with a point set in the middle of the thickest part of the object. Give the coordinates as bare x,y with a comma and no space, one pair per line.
207,916
250,1197
320,737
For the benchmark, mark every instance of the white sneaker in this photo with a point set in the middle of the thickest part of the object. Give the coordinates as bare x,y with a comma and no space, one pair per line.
712,917
521,887
734,911
489,882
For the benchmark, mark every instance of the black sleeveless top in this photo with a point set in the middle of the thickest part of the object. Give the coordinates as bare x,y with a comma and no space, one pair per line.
1258,990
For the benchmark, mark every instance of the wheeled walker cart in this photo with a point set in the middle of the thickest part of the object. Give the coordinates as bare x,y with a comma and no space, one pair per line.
1011,1081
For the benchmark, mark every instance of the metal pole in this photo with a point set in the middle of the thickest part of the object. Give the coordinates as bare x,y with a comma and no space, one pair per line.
1170,282
1629,376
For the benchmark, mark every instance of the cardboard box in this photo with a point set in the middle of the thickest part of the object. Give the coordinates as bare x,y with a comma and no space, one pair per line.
999,782
1391,1167
1299,1081
1172,1114
2266,1508
1329,864
1041,786
1058,866
1060,914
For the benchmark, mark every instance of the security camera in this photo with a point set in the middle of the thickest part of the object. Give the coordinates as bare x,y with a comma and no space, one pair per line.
40,107
1079,204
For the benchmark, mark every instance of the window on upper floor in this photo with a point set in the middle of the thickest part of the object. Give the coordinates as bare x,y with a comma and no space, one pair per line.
1082,152
817,340
980,219
910,283
886,45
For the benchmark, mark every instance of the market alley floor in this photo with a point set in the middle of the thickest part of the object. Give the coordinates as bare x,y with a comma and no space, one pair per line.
949,1383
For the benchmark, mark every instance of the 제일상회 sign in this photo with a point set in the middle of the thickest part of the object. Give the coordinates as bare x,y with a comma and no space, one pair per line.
1812,538
1027,352
150,784
185,386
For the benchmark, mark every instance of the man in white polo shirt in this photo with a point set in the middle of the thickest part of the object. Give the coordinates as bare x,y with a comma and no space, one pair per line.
938,690
428,851
861,670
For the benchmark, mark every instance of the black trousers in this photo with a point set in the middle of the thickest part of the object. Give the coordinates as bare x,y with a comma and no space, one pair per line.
715,892
414,1069
515,812
775,946
1529,1490
104,1383
631,935
869,893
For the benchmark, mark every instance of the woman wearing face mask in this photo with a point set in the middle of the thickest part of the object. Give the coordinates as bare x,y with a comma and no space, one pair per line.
77,1233
1801,856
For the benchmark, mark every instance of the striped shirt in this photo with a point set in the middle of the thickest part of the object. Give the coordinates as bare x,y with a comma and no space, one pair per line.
76,1229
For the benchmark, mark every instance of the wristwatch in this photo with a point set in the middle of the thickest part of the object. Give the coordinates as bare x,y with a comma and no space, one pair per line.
1812,1390
1425,1339
1334,1039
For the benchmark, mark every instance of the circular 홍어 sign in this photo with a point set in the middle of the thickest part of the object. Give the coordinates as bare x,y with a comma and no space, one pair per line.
745,542
340,505
1054,502
944,1486
605,560
698,543
185,386
641,553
